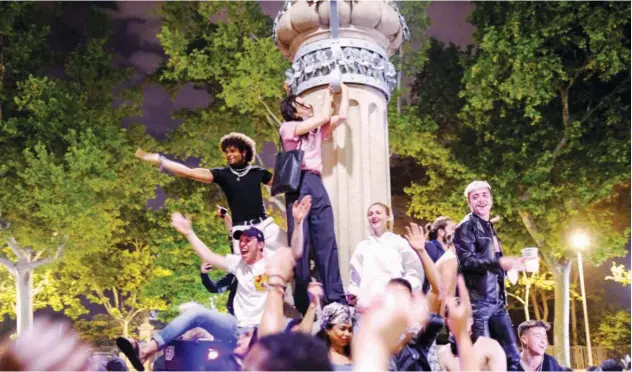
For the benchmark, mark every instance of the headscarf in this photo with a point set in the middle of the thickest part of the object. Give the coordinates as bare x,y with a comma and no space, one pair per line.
336,313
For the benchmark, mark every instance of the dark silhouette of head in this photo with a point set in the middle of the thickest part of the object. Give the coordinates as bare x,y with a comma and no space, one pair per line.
288,352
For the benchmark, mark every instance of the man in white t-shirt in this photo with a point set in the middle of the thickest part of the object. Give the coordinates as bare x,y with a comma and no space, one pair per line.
249,269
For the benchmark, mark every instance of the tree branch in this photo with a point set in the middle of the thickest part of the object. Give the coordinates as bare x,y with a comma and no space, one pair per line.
565,122
115,294
279,122
9,265
516,297
132,315
15,248
46,261
589,112
104,299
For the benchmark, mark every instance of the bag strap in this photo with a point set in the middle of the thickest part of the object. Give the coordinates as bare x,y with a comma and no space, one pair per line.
282,148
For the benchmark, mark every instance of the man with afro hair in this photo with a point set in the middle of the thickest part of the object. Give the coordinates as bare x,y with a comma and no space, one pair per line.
241,183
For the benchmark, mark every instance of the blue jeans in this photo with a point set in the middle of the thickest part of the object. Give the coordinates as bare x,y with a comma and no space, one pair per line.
318,232
222,326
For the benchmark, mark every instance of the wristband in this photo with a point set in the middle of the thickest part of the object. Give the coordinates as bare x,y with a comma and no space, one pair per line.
277,276
281,288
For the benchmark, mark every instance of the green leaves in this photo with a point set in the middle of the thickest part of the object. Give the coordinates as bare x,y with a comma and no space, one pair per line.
620,275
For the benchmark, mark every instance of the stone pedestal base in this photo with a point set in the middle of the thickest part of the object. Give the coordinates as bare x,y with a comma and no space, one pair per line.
356,169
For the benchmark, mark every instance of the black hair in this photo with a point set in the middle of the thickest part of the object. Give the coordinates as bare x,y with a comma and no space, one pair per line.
294,351
240,145
611,365
322,335
116,364
438,224
288,111
403,282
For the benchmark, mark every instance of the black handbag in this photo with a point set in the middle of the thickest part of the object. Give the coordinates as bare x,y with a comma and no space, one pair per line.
287,169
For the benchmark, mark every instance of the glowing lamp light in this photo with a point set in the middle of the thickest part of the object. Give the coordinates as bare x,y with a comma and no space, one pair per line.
579,240
212,354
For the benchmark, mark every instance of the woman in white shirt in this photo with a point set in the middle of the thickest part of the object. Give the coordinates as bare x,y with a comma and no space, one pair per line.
382,256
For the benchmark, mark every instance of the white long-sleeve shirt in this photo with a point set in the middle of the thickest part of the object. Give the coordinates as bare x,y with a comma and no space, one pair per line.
376,261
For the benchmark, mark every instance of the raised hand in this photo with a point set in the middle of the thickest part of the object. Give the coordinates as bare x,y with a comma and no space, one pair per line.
205,268
47,346
415,236
181,224
315,292
351,299
300,210
153,158
459,311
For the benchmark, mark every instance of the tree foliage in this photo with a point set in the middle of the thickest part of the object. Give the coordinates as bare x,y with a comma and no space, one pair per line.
613,330
68,172
543,114
225,48
620,275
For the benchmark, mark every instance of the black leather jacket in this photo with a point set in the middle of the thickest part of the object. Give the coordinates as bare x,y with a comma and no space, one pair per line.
484,278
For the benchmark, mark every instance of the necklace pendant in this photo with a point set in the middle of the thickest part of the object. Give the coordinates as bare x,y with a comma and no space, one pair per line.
238,178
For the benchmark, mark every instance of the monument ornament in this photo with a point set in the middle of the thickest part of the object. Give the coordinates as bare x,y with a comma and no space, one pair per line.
334,41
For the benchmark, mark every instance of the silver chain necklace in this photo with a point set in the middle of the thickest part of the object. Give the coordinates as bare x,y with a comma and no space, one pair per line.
239,174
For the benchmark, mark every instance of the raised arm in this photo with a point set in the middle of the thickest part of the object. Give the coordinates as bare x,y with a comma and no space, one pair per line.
321,118
183,226
417,240
315,293
198,174
279,273
382,327
299,212
448,270
458,317
338,119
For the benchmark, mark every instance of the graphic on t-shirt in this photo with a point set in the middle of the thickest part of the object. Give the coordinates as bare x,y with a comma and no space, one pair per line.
260,282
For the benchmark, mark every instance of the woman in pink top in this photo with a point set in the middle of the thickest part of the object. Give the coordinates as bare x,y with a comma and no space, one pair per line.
305,129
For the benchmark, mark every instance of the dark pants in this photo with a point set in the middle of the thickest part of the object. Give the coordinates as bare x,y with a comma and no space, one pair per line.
318,231
492,320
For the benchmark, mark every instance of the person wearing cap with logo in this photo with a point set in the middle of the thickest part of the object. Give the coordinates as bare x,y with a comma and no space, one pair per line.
241,183
252,289
533,338
484,268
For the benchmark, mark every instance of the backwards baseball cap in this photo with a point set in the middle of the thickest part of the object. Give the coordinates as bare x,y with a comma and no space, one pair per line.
252,232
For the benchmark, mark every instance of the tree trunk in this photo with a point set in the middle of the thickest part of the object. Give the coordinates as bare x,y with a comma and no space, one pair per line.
573,322
545,307
536,307
561,276
24,290
125,325
574,312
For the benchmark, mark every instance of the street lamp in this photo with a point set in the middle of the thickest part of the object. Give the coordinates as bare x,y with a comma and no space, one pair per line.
580,241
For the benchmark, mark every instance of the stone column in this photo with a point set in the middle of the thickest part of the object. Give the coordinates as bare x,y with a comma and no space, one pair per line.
356,160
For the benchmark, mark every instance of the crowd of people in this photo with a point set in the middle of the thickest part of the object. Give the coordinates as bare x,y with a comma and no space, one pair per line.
402,291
